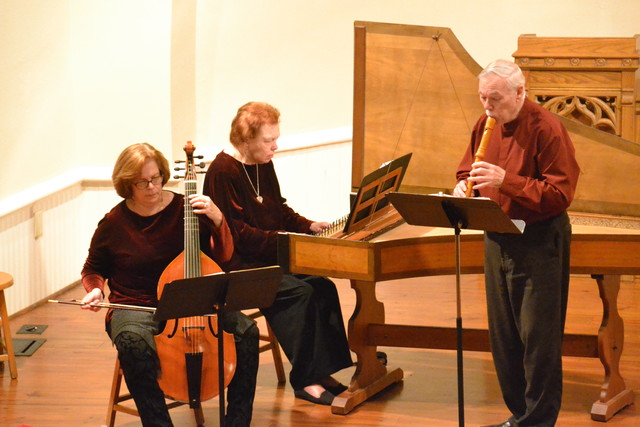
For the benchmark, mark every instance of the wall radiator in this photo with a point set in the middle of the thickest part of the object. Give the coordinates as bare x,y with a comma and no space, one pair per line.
45,243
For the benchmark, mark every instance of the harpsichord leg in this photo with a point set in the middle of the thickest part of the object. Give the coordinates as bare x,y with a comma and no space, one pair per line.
614,396
371,376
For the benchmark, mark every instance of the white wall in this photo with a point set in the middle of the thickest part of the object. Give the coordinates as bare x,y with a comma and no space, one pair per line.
82,79
119,64
36,106
298,55
79,81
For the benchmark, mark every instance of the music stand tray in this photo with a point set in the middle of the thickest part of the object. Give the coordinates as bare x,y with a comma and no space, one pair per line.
436,210
236,290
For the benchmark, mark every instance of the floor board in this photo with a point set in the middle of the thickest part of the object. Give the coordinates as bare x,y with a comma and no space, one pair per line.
66,382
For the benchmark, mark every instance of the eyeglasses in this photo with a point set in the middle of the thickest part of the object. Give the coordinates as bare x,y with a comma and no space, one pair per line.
155,180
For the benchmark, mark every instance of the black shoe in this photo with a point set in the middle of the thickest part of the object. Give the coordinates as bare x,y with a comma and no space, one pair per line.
382,357
235,422
326,398
336,389
504,424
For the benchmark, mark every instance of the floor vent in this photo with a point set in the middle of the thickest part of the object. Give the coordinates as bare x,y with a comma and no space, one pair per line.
26,347
32,329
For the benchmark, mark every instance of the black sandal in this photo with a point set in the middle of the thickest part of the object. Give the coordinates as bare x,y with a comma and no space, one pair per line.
336,389
326,398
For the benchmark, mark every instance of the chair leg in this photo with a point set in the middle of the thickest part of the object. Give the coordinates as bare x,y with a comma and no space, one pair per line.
277,356
6,334
113,396
197,413
271,344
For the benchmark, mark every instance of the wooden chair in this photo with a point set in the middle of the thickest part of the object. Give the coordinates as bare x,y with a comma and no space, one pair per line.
116,399
6,345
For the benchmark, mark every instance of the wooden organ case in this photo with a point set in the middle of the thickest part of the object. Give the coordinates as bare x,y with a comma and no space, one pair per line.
591,80
415,90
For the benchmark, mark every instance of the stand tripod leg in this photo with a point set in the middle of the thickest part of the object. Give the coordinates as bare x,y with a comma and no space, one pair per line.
459,333
221,369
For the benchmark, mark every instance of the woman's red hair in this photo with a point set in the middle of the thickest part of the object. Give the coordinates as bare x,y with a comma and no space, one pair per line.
249,119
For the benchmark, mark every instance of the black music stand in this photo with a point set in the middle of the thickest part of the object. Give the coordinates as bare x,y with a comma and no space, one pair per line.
457,213
215,294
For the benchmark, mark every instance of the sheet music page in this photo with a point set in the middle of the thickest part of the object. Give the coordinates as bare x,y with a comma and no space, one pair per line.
456,197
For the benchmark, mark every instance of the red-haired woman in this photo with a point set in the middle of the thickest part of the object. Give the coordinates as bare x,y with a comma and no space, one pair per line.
306,316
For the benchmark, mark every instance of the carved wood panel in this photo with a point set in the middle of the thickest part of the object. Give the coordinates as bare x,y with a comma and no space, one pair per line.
592,81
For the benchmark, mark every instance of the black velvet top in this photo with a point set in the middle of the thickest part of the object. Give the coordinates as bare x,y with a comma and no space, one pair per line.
132,251
254,225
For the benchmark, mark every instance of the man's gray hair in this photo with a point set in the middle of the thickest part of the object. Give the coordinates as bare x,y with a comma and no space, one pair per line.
507,70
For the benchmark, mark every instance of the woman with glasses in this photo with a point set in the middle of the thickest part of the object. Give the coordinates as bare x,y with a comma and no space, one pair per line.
131,247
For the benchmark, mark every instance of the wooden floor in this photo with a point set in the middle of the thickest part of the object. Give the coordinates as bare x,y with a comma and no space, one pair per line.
66,382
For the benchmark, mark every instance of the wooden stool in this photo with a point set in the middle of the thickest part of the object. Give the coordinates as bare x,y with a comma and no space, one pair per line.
116,399
5,332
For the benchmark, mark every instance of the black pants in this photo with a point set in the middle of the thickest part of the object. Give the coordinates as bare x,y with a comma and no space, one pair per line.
307,321
527,284
140,367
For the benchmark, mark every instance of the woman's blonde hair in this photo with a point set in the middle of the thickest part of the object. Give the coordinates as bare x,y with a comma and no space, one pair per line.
130,163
